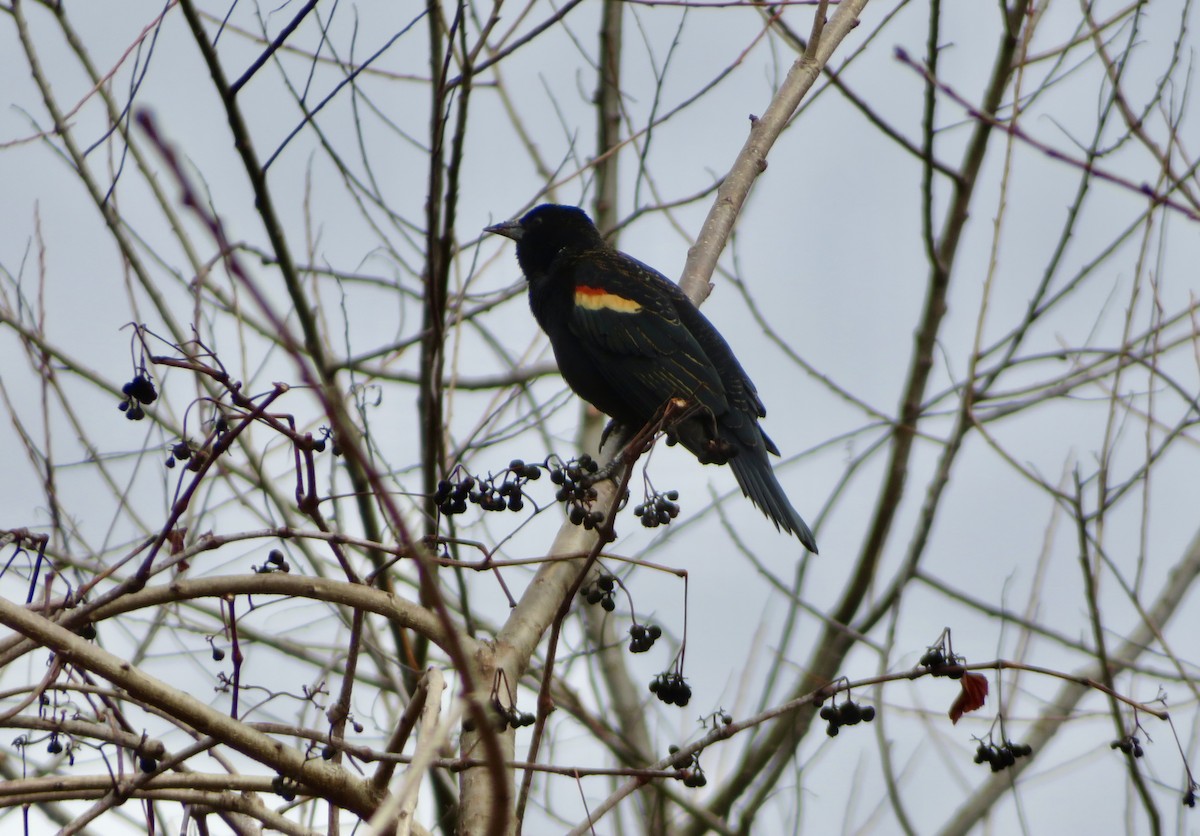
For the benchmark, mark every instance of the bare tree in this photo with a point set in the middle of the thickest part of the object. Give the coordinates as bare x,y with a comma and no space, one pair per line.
342,560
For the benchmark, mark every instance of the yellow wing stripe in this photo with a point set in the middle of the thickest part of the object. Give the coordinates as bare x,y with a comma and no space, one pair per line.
597,299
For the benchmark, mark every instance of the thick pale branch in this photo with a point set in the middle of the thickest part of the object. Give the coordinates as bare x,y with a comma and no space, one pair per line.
751,161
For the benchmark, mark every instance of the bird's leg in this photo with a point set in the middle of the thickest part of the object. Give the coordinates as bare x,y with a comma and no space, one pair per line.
696,427
627,455
632,449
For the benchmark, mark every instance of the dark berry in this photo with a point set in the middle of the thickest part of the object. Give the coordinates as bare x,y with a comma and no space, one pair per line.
683,693
849,713
933,659
141,388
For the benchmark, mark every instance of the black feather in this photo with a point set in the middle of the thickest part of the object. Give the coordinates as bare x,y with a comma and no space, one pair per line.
627,340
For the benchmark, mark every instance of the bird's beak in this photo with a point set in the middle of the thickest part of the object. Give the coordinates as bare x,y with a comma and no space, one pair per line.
509,229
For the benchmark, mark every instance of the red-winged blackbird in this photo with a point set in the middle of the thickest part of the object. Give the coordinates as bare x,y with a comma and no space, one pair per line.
628,340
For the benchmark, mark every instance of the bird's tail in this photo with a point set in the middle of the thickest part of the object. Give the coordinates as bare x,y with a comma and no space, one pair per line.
753,472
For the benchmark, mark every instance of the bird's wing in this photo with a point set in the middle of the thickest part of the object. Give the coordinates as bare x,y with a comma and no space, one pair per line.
626,320
742,393
745,406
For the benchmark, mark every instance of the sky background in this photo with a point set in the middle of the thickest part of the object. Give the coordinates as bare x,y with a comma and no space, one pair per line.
829,252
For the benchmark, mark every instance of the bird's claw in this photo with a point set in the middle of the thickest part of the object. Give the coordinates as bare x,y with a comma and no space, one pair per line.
609,428
716,451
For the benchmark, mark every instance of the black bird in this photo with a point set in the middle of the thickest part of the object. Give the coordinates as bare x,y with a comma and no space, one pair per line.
628,340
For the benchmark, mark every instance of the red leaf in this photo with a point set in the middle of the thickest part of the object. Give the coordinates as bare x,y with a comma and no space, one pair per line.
972,697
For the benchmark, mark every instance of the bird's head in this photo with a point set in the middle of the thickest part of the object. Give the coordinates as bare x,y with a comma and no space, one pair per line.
546,231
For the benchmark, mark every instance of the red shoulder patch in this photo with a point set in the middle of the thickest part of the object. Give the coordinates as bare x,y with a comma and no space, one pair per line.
597,299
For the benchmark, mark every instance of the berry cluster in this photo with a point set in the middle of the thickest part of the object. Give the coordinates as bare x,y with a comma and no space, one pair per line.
658,509
511,717
848,713
183,452
451,497
1130,744
575,479
1002,757
1189,797
147,764
503,491
642,637
601,591
671,688
55,746
138,392
285,788
276,562
937,661
689,768
504,716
